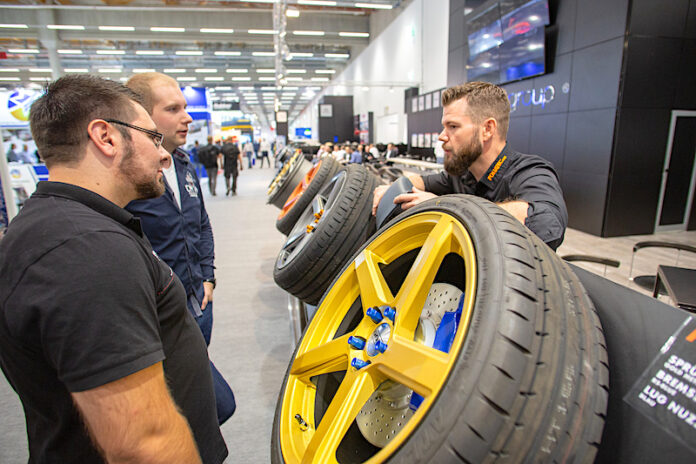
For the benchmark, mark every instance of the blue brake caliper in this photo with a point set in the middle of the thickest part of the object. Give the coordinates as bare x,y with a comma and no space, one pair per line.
444,337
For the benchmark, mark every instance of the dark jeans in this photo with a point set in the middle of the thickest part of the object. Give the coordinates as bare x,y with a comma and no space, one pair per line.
212,179
264,156
233,187
224,398
250,157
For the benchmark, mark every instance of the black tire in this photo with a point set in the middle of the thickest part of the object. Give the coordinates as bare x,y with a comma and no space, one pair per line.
530,380
286,181
308,262
390,174
328,168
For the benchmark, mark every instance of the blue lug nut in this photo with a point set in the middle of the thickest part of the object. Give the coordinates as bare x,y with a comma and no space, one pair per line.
390,313
380,346
375,315
356,342
359,363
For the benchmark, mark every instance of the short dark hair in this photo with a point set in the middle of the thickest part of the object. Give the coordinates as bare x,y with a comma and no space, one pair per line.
59,118
484,100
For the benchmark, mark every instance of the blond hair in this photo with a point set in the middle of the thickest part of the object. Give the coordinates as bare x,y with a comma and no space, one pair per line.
144,83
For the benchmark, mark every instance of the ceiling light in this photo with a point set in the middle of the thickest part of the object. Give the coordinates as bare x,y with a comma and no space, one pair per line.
206,70
308,33
66,51
290,13
40,70
227,53
263,53
290,88
143,70
376,6
265,71
40,79
336,55
174,70
301,55
264,78
316,2
189,52
215,79
111,52
9,69
65,27
76,70
325,71
116,28
23,50
320,79
206,30
8,79
262,1
149,52
241,78
354,34
223,88
245,88
293,79
237,70
14,26
297,71
168,29
262,31
185,78
110,70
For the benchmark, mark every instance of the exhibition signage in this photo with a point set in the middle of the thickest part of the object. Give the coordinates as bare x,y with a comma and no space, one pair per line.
666,391
14,107
198,102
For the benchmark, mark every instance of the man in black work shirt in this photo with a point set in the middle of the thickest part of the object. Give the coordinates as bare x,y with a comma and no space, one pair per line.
479,162
95,336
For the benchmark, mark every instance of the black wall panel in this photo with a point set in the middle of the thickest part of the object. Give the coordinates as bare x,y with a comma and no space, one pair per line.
641,142
547,138
456,66
562,14
595,76
340,125
456,29
518,133
690,31
632,206
685,95
654,18
584,195
651,72
560,75
589,140
599,20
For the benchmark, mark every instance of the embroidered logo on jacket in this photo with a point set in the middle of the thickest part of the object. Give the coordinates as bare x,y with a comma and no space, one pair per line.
495,169
191,187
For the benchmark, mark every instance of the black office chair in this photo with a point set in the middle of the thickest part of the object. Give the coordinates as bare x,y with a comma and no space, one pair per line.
593,259
648,281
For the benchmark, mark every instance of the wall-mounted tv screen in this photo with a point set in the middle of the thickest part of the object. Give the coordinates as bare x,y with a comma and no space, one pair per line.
522,56
506,40
530,16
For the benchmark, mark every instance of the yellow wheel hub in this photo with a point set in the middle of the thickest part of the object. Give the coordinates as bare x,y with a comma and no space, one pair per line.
402,364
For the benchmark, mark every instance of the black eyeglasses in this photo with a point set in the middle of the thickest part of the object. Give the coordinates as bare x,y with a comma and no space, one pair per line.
156,136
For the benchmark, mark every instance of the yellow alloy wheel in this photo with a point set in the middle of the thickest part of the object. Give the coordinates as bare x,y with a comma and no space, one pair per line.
280,177
427,240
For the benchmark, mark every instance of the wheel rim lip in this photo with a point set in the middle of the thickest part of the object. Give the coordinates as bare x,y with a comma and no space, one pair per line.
284,173
299,190
329,194
297,396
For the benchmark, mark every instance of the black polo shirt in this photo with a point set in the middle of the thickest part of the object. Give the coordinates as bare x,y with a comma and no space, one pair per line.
515,176
84,301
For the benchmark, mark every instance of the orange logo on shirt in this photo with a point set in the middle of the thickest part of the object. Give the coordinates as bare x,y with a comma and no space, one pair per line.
496,168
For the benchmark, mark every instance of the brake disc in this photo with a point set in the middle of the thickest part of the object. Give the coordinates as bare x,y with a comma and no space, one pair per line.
388,409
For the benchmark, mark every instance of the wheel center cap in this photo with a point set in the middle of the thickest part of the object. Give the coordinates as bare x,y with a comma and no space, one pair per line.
378,339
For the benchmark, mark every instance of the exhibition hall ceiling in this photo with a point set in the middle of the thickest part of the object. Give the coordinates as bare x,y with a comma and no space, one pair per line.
267,54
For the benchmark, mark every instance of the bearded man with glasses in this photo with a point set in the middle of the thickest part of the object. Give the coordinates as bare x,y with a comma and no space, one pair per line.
95,336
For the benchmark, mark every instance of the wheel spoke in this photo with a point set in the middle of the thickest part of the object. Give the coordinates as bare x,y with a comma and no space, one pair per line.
414,365
414,290
355,390
374,290
318,204
329,357
292,239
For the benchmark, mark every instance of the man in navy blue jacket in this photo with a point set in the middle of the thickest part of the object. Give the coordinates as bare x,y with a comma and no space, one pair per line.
177,223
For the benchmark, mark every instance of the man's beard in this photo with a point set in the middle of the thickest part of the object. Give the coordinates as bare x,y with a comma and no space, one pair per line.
458,162
144,188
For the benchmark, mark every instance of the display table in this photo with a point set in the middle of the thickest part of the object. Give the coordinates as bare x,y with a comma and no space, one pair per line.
680,284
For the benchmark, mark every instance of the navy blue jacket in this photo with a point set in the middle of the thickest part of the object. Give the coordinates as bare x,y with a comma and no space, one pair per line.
183,238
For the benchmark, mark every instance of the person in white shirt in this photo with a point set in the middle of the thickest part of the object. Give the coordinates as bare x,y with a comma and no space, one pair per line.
264,150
